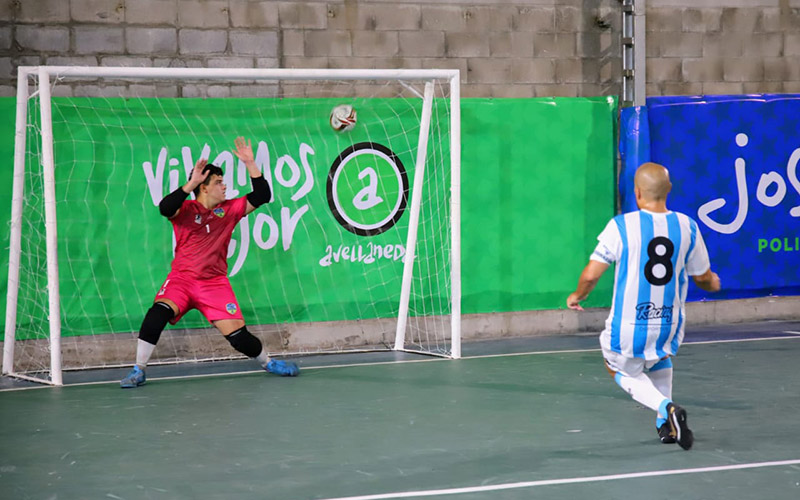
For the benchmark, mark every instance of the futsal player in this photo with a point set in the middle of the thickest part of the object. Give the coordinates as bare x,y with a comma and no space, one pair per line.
655,249
199,275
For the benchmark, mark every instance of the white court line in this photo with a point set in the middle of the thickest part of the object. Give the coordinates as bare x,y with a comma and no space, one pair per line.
733,341
792,332
307,368
380,363
571,480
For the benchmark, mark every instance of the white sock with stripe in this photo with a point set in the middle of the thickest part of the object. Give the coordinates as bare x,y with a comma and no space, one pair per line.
661,375
642,390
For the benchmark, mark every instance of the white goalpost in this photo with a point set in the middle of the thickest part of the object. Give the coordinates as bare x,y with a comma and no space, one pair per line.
358,249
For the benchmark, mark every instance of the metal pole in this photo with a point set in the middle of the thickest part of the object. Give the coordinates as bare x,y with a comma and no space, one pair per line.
413,221
634,53
16,221
48,169
455,216
246,73
639,53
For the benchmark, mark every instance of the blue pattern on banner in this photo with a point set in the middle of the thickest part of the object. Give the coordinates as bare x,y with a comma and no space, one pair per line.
634,149
733,161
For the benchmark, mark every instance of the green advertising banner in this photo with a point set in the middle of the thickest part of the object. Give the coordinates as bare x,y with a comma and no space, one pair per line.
8,109
537,187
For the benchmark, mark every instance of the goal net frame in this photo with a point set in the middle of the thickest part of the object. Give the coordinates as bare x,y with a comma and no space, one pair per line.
43,77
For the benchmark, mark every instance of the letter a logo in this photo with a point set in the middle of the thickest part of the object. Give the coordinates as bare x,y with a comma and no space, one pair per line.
367,189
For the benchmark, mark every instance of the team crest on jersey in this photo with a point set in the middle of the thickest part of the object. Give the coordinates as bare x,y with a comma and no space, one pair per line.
198,219
219,212
230,307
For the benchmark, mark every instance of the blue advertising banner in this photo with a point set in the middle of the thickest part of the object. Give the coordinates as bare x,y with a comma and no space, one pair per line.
733,161
634,149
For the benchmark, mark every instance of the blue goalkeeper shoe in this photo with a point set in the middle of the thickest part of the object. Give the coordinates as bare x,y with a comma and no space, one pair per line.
134,378
283,368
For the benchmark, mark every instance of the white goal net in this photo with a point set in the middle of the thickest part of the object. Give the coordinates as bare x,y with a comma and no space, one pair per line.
358,248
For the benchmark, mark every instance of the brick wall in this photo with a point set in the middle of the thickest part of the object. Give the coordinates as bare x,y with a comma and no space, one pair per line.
724,50
504,49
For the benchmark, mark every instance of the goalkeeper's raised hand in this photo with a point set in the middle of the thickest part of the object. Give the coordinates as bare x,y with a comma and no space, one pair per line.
197,177
244,151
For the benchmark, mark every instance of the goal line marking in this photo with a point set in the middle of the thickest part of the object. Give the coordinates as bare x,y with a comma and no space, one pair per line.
393,362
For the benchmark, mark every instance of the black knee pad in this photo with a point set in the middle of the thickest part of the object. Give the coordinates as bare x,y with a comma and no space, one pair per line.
244,342
154,322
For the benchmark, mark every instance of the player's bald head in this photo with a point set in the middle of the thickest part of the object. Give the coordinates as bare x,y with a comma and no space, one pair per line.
653,182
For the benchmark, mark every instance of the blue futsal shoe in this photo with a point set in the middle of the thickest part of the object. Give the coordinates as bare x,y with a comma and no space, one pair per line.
282,368
134,378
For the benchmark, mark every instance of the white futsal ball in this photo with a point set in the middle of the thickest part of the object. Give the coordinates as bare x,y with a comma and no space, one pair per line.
343,118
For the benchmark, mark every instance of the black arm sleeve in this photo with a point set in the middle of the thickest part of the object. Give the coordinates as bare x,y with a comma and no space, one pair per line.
261,192
171,203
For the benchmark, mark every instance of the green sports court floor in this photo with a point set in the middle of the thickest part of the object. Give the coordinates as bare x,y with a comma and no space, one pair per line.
513,419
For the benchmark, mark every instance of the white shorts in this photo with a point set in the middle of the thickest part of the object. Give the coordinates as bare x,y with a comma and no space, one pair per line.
627,366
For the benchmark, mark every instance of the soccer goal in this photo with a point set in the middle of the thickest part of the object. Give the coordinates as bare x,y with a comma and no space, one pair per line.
358,249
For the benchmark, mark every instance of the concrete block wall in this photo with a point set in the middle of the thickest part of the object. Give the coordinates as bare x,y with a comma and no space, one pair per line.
503,48
723,47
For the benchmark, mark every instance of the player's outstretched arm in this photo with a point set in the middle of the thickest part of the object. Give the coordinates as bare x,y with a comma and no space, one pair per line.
589,277
171,204
708,281
244,151
261,192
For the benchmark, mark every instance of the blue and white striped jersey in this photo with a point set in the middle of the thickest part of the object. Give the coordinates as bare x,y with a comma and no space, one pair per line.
655,254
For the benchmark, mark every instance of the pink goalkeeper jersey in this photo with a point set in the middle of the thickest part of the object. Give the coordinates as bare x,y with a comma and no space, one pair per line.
202,237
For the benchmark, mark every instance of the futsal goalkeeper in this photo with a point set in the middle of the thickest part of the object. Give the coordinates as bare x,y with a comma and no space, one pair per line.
198,279
655,249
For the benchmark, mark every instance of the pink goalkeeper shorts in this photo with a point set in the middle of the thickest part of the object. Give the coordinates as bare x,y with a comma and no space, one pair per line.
213,297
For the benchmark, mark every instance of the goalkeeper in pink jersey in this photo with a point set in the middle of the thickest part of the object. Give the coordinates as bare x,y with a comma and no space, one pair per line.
199,275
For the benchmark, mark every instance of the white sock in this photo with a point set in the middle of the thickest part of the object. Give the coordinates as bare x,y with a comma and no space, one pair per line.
662,380
642,390
262,358
143,352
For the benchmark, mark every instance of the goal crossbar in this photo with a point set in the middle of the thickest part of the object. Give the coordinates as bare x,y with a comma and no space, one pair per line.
241,73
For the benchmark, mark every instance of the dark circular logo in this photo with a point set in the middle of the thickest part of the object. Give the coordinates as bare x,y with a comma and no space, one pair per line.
367,188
